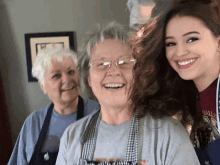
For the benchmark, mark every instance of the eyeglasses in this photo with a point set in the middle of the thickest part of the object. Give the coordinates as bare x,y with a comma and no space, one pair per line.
122,63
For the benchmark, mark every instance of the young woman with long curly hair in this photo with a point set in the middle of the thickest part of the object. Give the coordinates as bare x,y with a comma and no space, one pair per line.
177,72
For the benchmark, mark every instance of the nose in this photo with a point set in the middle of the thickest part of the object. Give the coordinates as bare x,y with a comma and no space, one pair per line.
113,70
181,50
65,78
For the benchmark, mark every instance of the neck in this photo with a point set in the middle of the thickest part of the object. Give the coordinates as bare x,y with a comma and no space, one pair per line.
66,108
203,82
116,115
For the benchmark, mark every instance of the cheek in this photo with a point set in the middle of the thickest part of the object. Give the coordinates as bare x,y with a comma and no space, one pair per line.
129,78
168,54
94,80
55,87
204,53
76,76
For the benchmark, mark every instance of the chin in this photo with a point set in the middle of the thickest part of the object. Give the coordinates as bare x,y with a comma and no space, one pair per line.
187,76
69,99
117,102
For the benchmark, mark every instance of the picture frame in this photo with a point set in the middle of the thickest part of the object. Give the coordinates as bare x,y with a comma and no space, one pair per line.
35,42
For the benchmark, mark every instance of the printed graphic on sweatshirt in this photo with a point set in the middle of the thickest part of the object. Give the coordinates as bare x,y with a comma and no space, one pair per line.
142,162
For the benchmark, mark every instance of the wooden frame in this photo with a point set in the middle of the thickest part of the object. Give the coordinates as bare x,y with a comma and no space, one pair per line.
34,42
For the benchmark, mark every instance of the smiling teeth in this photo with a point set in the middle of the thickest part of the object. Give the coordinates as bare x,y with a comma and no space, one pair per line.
113,85
186,62
65,89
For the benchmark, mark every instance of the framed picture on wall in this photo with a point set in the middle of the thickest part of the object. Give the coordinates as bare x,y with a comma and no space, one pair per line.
36,42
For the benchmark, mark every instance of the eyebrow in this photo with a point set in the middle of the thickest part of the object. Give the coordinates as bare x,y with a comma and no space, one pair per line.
192,32
70,67
55,71
103,58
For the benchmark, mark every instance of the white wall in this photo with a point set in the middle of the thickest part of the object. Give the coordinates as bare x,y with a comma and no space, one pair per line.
30,16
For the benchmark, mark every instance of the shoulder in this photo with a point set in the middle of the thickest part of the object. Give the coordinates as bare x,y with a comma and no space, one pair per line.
170,137
170,127
72,137
175,128
163,122
71,141
170,140
35,120
90,105
90,102
37,116
28,136
77,127
40,112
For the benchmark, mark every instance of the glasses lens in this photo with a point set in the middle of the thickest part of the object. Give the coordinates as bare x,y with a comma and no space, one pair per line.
100,64
126,63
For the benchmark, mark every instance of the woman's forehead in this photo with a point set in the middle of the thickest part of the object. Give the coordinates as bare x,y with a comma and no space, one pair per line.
110,48
181,25
64,64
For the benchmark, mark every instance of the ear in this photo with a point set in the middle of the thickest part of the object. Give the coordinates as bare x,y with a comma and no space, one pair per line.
89,81
42,87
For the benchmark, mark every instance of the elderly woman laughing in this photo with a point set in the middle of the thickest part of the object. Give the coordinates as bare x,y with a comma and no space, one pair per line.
38,141
114,134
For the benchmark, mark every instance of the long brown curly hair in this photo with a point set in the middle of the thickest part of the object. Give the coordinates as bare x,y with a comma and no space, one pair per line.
158,89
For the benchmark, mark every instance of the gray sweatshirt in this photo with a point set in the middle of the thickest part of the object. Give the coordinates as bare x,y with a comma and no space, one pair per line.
160,141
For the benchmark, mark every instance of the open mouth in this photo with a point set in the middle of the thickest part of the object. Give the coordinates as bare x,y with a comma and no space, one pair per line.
186,62
114,86
67,89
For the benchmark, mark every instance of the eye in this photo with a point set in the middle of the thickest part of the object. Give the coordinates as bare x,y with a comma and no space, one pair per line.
102,64
192,39
56,75
99,64
71,72
126,63
123,62
170,44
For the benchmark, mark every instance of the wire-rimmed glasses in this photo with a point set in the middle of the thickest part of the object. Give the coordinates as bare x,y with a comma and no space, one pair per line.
104,64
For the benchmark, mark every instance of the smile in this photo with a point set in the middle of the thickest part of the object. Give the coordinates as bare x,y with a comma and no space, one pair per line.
186,62
114,86
67,89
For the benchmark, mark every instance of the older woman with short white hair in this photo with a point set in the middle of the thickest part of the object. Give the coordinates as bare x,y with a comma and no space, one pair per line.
39,139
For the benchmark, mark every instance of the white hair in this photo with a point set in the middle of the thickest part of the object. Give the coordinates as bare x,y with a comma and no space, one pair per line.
43,61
